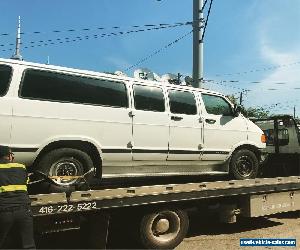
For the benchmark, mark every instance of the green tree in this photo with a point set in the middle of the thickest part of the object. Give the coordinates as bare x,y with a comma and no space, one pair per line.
256,112
250,112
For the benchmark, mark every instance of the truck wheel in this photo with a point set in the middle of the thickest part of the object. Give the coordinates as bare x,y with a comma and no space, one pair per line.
65,162
244,165
164,229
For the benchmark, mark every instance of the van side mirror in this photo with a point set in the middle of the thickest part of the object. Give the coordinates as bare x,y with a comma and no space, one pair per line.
237,110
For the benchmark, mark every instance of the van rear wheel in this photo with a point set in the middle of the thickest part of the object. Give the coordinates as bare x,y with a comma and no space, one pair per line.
65,162
244,165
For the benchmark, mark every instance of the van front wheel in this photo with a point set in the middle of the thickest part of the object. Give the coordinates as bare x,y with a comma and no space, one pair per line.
65,162
244,165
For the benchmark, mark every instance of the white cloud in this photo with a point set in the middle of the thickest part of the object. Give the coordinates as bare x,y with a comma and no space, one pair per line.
288,69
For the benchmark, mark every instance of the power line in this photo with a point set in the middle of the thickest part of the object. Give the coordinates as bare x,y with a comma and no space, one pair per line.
206,22
204,5
223,83
260,70
93,29
285,104
157,52
256,82
245,92
48,42
275,106
157,27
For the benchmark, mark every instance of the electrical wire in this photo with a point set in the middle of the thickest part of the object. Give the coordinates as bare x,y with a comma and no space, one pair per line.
274,106
255,82
202,9
41,43
286,105
93,29
206,22
227,83
221,83
261,69
157,52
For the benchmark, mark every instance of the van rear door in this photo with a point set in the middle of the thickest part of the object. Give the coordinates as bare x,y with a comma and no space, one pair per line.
5,104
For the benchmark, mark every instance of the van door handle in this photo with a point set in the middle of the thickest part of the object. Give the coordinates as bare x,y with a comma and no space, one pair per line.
210,121
131,114
176,118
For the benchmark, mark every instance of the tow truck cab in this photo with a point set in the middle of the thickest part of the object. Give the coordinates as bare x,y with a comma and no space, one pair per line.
282,146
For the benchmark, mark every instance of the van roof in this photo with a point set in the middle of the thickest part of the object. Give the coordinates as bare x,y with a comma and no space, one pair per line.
94,73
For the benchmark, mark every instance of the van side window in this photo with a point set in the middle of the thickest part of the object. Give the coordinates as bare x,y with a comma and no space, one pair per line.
182,102
148,98
44,85
5,75
216,105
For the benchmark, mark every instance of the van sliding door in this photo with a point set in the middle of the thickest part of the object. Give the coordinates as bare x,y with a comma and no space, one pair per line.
150,125
185,127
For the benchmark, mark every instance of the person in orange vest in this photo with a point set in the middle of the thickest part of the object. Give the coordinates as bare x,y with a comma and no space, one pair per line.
15,210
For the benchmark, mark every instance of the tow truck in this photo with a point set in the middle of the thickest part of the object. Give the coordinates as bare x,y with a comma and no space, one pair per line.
158,214
282,146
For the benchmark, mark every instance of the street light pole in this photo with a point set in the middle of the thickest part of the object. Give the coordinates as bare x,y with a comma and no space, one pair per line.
197,43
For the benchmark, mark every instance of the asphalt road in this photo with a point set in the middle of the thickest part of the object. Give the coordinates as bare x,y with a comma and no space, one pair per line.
207,233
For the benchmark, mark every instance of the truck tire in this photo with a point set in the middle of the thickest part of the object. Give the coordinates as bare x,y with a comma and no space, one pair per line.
65,161
164,229
244,165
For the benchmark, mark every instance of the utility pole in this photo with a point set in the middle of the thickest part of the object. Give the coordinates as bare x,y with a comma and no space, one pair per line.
241,98
197,43
178,78
294,111
17,55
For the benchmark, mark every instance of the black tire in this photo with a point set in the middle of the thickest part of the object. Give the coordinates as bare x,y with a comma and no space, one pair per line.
164,229
65,161
244,165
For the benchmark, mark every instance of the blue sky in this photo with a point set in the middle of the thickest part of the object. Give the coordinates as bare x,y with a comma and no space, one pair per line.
244,39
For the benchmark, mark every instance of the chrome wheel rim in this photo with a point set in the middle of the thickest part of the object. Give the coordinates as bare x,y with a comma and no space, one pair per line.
245,166
66,167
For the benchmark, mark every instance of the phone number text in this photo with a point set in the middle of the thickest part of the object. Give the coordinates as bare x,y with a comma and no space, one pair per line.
68,208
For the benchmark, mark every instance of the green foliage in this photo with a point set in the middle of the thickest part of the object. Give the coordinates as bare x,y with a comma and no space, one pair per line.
251,112
256,112
233,99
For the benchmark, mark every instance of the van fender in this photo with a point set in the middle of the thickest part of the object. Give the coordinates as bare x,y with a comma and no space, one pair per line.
57,139
244,144
240,145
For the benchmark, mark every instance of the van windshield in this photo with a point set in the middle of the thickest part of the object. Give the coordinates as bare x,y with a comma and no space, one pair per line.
5,74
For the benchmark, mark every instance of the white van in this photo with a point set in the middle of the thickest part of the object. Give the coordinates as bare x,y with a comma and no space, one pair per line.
65,121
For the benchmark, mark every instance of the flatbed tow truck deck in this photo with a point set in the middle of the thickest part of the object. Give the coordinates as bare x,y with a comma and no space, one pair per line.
162,208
